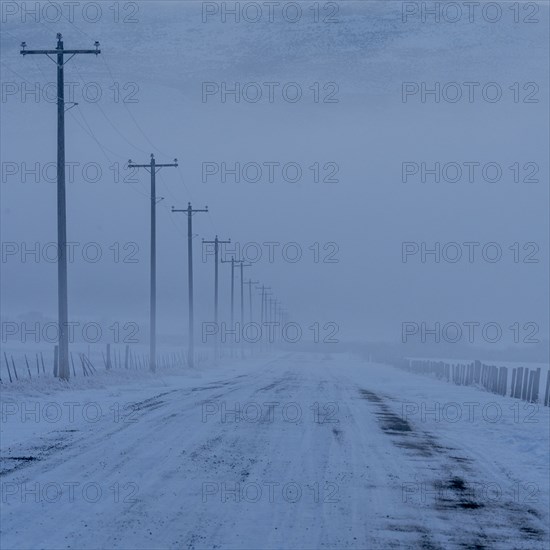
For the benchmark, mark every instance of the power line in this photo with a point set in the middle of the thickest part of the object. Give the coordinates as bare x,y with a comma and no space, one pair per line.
133,118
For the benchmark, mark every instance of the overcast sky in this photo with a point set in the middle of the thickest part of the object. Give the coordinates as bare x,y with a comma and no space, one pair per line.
352,120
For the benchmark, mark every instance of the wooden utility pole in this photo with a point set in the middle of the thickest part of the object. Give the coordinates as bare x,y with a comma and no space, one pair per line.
272,307
232,262
265,293
189,211
263,304
62,299
216,242
243,264
250,282
153,168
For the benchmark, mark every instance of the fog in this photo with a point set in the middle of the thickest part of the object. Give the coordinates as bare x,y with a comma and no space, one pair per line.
348,250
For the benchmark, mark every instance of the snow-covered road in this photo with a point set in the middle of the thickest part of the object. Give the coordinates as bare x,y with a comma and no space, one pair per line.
298,451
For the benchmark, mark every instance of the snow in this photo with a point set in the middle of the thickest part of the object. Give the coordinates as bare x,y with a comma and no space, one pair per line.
344,453
327,451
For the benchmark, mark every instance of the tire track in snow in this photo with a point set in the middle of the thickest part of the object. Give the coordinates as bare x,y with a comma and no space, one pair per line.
483,522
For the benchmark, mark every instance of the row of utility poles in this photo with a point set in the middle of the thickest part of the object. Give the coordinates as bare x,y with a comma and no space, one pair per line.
275,312
60,56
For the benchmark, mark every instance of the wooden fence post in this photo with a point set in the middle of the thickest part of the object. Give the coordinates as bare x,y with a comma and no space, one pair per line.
108,362
81,355
14,368
503,380
529,396
536,384
55,360
525,382
8,366
28,368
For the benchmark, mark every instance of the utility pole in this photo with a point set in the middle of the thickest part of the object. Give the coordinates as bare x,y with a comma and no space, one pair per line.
216,242
262,307
62,295
272,315
250,282
266,316
278,310
232,262
189,211
243,265
275,306
279,316
153,168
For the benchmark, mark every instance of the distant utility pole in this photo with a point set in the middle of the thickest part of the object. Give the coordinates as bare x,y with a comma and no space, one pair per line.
189,211
243,265
62,300
270,315
262,307
279,319
153,168
232,262
250,282
273,315
216,242
266,315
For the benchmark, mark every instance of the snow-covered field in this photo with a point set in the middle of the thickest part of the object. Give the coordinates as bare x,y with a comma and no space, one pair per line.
287,451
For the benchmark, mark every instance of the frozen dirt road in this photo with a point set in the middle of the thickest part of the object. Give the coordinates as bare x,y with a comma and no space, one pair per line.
320,455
